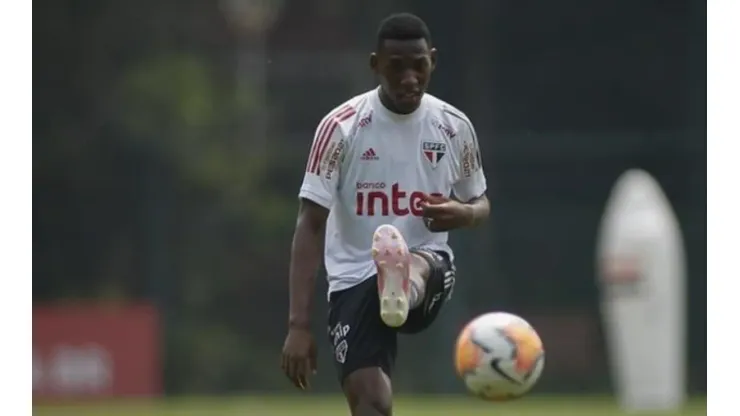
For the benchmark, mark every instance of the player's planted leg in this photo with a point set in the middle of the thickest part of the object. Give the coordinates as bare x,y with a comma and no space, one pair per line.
368,392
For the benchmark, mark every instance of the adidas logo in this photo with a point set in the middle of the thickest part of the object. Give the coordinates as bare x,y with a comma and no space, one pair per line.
369,154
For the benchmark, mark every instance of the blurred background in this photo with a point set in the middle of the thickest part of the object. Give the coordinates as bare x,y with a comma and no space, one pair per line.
169,144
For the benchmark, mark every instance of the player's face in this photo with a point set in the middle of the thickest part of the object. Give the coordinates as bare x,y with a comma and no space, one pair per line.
404,68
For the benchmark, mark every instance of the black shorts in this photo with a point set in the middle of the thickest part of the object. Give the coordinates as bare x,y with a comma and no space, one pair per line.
359,337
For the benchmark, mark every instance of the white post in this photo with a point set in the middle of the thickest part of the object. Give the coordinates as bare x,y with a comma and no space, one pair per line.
641,272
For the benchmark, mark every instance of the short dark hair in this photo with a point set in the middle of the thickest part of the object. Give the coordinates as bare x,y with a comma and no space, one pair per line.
403,26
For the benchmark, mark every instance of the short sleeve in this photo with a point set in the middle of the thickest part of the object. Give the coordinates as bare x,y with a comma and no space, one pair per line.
470,180
321,179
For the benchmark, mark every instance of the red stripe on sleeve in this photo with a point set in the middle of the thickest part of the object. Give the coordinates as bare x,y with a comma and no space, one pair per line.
320,134
326,136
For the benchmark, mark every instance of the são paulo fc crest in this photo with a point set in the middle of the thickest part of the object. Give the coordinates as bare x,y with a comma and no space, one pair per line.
433,152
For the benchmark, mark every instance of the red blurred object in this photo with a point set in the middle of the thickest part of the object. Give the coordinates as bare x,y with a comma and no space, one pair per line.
96,351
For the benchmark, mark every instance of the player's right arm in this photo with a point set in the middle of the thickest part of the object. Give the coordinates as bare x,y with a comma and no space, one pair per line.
316,196
305,258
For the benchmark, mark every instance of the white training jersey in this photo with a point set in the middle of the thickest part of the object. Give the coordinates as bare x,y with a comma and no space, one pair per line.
370,167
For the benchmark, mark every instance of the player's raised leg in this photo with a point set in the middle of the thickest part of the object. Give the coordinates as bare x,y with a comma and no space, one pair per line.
402,275
393,261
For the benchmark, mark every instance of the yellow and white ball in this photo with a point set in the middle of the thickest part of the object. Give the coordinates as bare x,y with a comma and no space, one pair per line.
499,356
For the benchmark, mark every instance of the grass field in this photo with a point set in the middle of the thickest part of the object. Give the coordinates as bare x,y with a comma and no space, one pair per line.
330,406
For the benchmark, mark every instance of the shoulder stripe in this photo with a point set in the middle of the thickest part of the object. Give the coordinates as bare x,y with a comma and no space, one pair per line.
324,135
453,112
334,125
465,120
320,135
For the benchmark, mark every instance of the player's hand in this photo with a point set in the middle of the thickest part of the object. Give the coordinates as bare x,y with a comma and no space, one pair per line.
299,357
445,214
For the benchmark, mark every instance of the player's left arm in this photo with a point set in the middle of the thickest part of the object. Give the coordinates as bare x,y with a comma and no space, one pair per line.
479,208
470,205
470,185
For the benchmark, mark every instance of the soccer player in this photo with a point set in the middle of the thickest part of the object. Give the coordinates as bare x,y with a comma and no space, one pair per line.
389,173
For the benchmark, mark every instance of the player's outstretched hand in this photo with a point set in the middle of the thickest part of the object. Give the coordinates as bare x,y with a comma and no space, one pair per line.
299,357
445,214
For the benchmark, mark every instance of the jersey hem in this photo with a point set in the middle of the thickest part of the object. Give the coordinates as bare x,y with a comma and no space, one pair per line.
338,282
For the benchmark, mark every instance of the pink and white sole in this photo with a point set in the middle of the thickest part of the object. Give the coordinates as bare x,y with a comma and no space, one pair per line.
393,261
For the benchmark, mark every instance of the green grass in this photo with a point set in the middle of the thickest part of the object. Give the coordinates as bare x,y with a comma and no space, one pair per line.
330,406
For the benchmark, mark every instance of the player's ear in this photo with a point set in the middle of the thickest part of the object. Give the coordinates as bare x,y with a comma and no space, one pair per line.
433,57
374,62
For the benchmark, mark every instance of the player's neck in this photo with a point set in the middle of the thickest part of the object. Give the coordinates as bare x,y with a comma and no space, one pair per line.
388,104
386,107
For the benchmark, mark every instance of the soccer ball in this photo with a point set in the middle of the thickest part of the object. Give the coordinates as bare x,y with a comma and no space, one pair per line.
499,356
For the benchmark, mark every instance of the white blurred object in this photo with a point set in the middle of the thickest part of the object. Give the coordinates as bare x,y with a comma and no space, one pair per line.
642,276
80,369
38,370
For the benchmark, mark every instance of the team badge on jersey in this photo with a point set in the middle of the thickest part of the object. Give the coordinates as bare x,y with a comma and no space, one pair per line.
433,152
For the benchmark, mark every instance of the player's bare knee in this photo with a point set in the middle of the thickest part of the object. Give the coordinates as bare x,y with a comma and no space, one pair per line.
368,392
420,266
